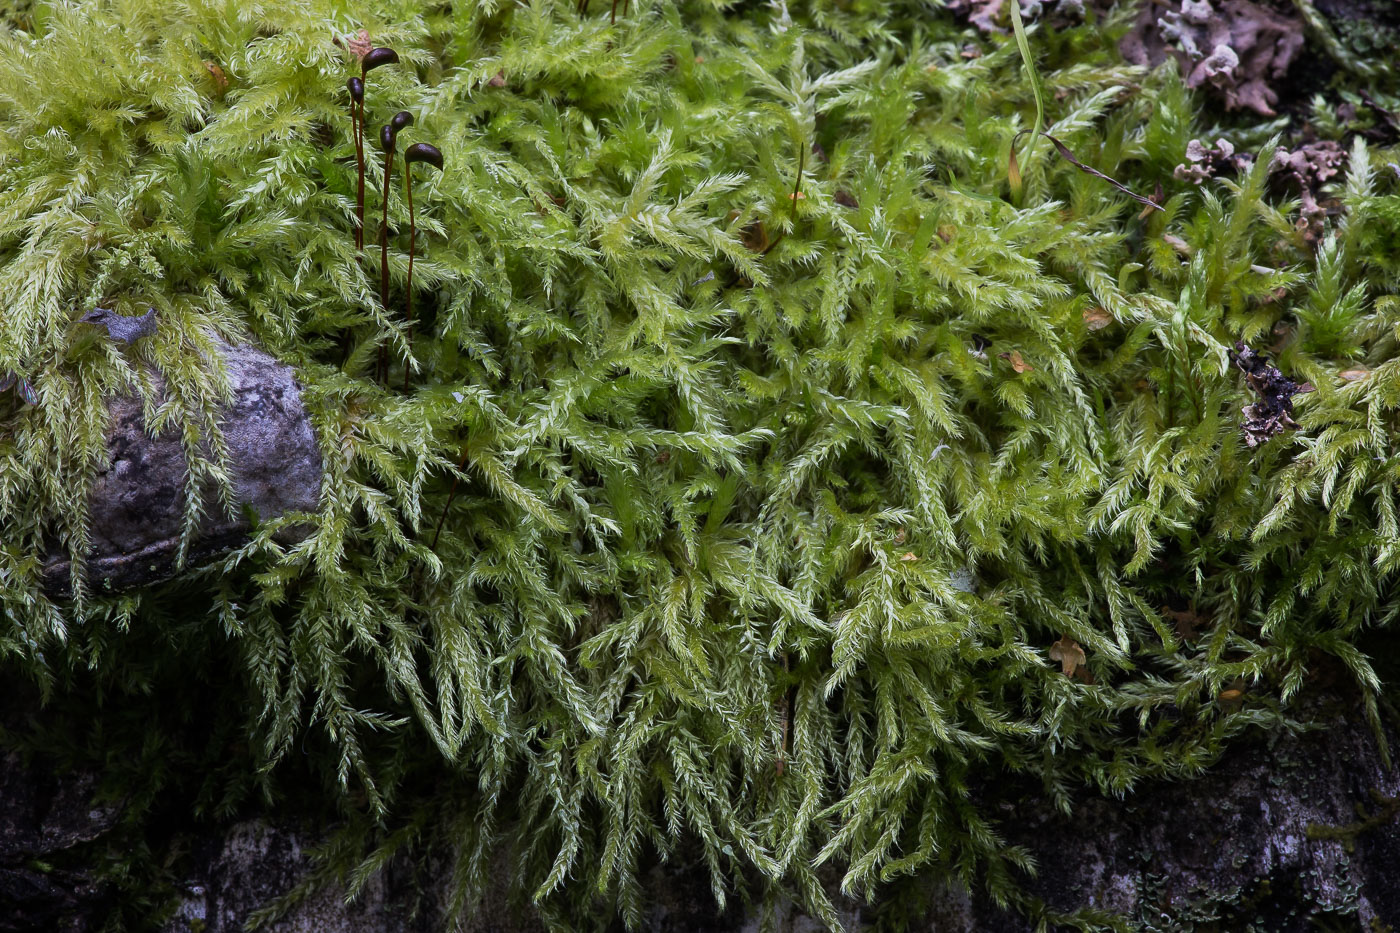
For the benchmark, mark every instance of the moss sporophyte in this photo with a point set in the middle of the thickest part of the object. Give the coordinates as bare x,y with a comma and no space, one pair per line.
414,154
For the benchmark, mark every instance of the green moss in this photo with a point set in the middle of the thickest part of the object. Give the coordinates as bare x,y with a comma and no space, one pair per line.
743,483
1384,812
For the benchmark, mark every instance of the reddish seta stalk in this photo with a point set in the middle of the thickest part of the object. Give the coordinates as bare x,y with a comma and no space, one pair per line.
429,155
389,142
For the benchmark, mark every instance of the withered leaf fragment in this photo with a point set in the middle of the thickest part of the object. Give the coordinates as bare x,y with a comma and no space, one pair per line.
1232,697
755,237
20,384
980,13
1273,413
1097,318
1069,653
1185,621
360,44
216,74
1016,361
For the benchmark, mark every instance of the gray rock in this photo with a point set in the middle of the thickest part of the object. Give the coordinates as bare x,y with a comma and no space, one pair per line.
1253,844
44,817
1269,839
138,500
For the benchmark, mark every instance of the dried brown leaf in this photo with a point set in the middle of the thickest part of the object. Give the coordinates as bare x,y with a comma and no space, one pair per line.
1184,621
1177,243
1068,652
217,75
360,44
1016,361
1097,318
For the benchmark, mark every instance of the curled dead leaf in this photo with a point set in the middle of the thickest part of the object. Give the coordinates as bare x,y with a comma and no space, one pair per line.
1354,375
359,44
1177,243
217,75
1272,414
755,237
910,556
1227,696
1069,653
1156,197
1185,621
1097,318
1016,361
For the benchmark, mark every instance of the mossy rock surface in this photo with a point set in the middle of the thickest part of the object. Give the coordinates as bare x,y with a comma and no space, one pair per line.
139,505
797,472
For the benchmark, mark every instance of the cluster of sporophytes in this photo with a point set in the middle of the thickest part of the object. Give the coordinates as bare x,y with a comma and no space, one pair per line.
772,474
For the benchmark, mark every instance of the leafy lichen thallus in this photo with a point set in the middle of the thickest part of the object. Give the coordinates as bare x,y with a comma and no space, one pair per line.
428,155
389,142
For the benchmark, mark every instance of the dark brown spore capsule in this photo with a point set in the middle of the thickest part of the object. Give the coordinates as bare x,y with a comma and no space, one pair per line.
376,57
422,152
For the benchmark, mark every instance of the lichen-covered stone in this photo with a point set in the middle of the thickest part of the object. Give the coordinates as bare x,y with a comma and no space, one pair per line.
138,501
